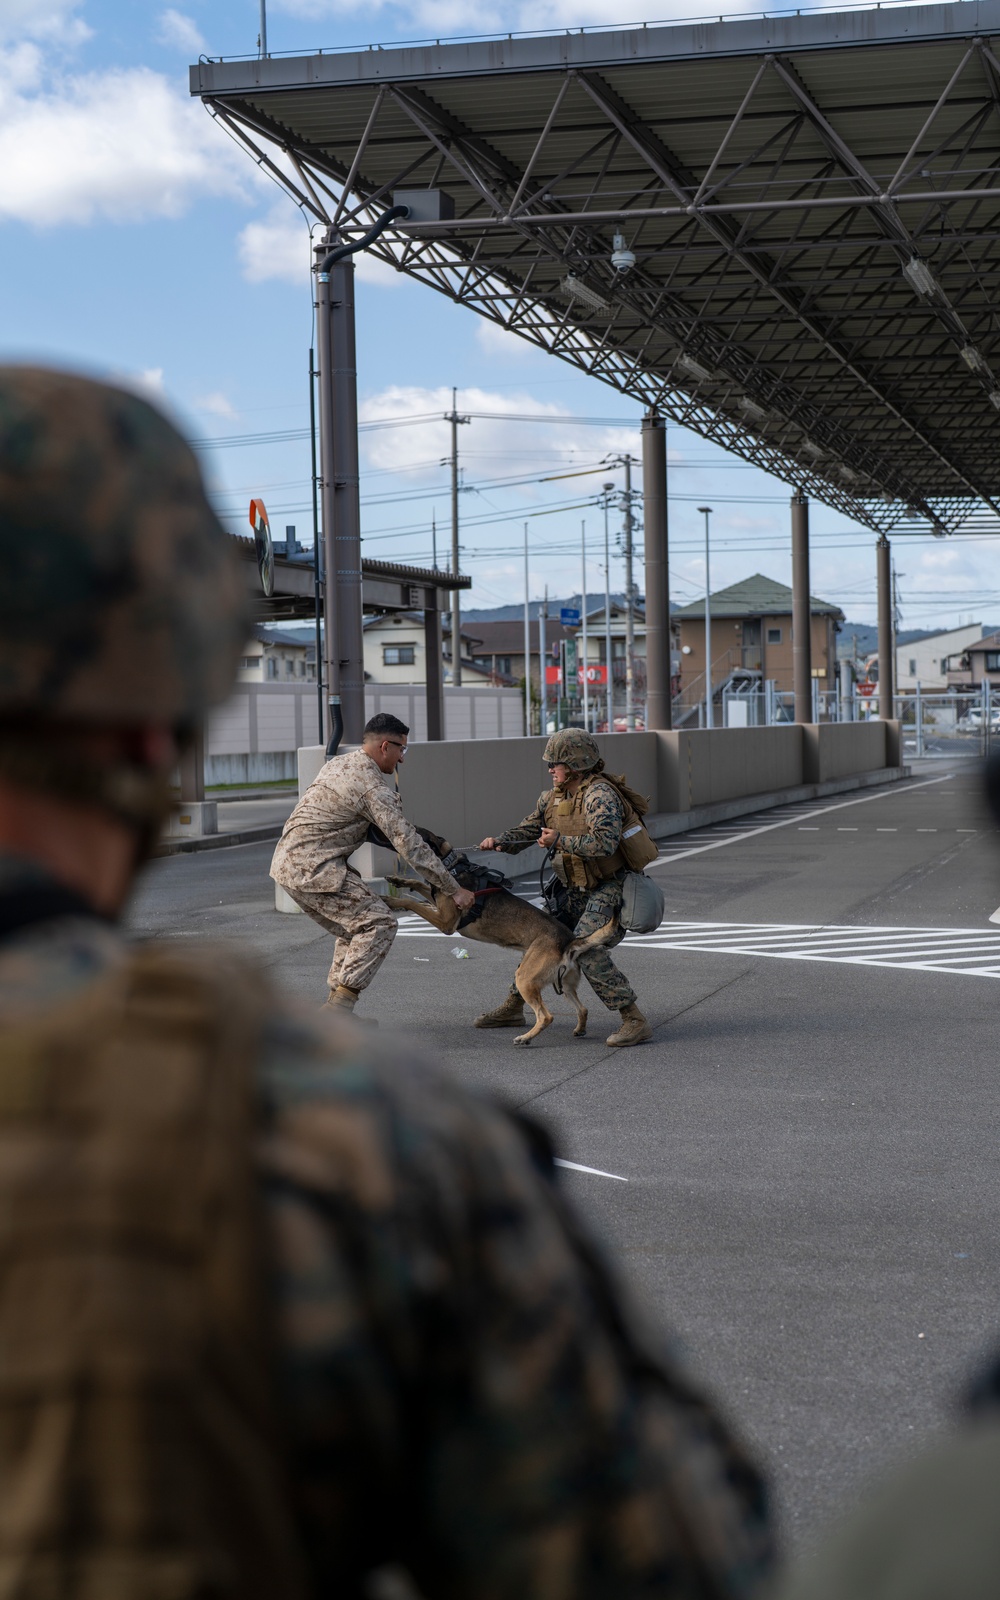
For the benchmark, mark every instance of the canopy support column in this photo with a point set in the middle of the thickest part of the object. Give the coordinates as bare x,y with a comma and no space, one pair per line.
339,471
885,673
433,673
654,493
801,610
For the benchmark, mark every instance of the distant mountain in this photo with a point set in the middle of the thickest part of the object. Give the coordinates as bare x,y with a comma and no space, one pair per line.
867,638
516,612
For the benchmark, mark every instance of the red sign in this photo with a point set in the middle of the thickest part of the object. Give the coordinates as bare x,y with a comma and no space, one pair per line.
866,690
553,675
594,675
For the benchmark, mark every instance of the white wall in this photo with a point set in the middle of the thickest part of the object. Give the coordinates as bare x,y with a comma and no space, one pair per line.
254,736
928,655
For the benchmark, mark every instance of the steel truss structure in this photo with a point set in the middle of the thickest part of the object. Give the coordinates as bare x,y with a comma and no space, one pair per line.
813,204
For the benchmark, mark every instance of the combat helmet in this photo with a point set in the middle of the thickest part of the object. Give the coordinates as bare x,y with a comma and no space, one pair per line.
575,748
122,600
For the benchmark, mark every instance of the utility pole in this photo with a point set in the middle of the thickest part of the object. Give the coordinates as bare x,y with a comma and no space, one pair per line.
527,643
456,611
629,604
434,541
262,40
543,688
608,491
583,609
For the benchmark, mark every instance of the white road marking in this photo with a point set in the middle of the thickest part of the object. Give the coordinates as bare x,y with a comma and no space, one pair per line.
769,827
970,952
595,1172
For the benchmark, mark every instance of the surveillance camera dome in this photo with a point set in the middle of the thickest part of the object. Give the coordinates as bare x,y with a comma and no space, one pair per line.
622,258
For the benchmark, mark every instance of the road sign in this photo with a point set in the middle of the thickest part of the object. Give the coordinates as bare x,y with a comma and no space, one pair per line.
866,690
262,542
569,615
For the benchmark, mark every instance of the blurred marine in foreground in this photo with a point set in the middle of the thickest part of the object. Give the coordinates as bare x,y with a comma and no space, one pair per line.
280,1314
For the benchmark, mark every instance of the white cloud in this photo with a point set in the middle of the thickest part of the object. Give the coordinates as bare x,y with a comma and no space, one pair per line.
494,340
508,447
179,32
278,247
121,144
443,17
217,403
43,19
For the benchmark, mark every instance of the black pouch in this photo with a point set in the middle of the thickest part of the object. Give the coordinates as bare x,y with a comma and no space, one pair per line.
556,896
376,836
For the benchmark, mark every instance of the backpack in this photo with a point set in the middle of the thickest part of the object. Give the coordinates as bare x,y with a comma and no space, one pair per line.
635,845
140,1455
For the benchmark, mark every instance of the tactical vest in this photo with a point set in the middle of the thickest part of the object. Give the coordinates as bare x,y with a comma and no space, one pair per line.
140,1456
567,814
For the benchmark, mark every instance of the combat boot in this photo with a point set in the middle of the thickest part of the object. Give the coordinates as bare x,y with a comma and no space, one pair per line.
344,999
508,1015
634,1029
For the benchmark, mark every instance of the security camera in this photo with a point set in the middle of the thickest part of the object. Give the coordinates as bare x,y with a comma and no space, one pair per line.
622,258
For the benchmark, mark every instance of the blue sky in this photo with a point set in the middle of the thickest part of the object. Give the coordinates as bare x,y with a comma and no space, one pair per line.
137,241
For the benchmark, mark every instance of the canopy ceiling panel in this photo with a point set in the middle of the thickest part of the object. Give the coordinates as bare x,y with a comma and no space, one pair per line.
813,204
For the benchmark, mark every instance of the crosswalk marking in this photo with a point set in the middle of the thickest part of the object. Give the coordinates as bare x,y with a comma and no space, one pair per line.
969,952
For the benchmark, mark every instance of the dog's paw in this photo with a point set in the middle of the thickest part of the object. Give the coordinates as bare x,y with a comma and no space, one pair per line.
522,1038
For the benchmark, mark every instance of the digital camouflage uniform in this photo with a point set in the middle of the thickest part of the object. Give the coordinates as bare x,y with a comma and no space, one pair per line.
459,1388
588,909
332,819
465,1395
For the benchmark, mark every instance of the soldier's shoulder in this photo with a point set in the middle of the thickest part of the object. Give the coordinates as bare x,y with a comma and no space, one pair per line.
600,792
367,1120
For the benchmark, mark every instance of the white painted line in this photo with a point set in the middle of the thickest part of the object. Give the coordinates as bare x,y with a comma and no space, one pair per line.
996,915
769,827
927,830
847,830
595,1172
972,952
886,830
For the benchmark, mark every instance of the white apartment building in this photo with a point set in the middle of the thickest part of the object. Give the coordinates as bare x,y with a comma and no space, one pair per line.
925,661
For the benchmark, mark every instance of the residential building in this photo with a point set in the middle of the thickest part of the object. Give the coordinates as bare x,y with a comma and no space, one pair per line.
979,662
395,649
498,647
272,656
928,661
752,636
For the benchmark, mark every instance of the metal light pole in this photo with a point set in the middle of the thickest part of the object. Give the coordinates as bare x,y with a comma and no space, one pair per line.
543,687
802,678
456,610
262,41
706,512
608,491
583,607
527,643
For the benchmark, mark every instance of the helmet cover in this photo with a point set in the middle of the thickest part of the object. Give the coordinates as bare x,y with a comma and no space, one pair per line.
574,747
122,597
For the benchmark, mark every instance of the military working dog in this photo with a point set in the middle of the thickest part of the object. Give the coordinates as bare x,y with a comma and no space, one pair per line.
551,953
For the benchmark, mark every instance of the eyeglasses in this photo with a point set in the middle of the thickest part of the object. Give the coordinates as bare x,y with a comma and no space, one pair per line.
396,742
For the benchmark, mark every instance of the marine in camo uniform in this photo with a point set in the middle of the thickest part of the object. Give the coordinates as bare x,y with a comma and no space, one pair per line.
405,1369
349,795
582,819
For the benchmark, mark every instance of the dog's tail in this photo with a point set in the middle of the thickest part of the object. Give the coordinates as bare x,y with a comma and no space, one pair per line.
578,947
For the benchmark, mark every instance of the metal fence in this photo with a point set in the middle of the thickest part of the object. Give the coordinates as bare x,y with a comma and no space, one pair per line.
934,722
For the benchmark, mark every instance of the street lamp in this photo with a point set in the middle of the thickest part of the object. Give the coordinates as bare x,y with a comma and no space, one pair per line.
706,512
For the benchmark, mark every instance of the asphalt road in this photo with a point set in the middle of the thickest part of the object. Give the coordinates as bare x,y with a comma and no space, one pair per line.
810,1141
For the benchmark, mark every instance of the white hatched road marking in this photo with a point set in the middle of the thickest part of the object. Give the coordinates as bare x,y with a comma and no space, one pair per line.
969,952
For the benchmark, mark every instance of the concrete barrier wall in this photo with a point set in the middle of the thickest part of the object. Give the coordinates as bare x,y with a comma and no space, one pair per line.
840,749
466,789
699,766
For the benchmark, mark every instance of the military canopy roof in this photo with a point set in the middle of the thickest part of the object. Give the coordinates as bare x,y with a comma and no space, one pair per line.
812,204
756,597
